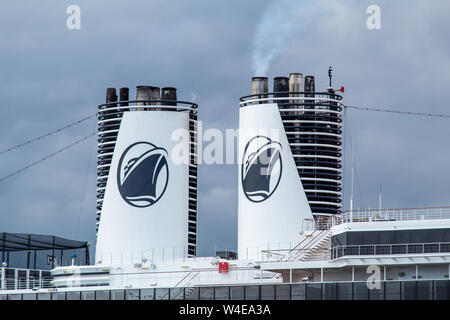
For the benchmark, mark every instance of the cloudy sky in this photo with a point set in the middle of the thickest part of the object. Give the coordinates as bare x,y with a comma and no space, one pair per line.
51,76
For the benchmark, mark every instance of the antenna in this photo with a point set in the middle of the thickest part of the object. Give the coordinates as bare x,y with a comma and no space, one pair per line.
330,74
379,198
351,188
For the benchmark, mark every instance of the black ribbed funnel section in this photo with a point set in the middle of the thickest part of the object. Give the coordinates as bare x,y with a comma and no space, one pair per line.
314,131
108,128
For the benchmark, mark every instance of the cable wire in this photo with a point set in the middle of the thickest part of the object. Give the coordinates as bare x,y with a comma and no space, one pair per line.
45,135
438,115
47,157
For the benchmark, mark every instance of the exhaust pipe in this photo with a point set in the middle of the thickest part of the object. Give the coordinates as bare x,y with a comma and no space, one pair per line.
280,89
155,95
310,86
111,96
143,93
169,93
260,87
124,96
296,85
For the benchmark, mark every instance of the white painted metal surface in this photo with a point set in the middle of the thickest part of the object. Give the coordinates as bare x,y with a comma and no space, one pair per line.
277,219
126,228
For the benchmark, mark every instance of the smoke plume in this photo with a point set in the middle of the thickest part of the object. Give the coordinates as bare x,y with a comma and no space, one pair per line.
279,23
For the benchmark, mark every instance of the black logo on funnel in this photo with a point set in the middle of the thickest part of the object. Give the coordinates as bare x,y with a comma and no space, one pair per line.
261,168
142,174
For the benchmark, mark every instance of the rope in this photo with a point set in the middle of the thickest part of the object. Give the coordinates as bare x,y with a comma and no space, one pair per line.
401,112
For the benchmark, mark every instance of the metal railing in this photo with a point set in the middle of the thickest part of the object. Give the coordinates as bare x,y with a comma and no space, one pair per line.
396,214
389,249
22,279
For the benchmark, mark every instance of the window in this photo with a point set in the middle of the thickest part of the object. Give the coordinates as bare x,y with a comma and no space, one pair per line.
132,294
73,295
222,293
441,290
161,294
314,291
117,295
147,294
361,291
330,291
298,292
176,293
87,295
237,293
345,291
392,290
424,290
206,293
43,296
102,295
282,292
29,296
251,292
267,292
409,290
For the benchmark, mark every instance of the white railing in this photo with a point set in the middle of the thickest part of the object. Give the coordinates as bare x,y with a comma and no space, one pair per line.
399,214
22,279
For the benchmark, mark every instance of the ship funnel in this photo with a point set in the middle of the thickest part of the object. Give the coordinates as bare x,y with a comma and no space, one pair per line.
169,93
146,193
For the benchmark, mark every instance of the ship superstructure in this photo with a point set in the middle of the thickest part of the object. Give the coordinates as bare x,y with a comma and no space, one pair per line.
294,240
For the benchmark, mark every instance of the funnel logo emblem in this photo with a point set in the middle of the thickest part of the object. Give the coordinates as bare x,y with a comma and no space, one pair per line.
143,174
261,168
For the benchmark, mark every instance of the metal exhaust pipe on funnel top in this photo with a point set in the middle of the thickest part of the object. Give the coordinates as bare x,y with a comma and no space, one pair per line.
296,85
155,95
169,94
260,87
310,86
111,96
143,93
124,95
280,89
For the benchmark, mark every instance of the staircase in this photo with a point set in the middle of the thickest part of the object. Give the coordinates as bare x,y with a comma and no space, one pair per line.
320,251
312,248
